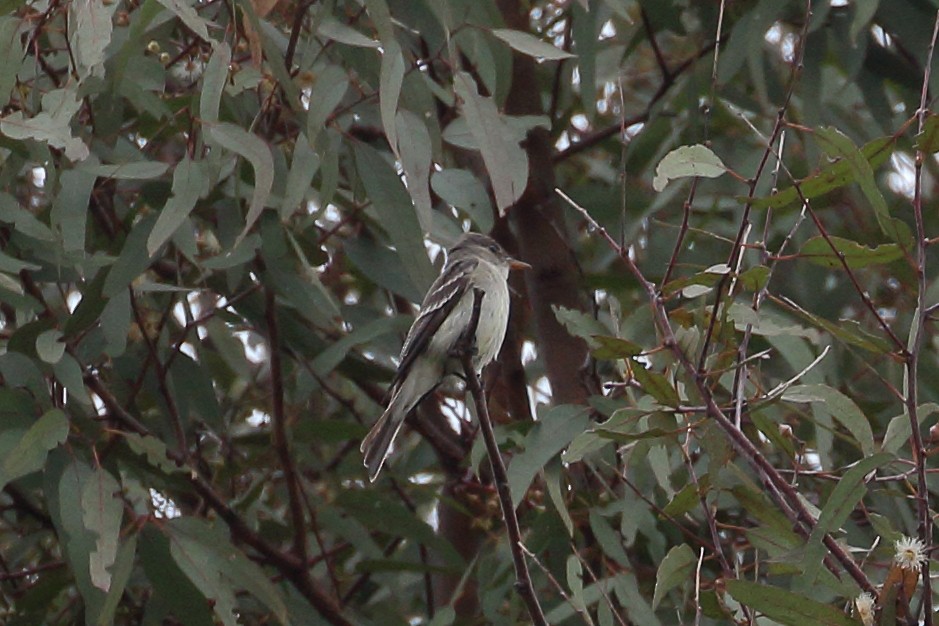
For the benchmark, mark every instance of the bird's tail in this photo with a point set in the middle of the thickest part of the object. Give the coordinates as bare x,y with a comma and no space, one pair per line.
378,441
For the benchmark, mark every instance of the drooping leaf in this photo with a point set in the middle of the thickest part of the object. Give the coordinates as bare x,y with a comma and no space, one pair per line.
551,434
90,27
394,206
391,79
101,514
218,569
506,162
841,407
189,182
527,43
414,151
849,490
214,78
258,154
675,569
837,144
52,125
185,11
786,607
28,455
463,190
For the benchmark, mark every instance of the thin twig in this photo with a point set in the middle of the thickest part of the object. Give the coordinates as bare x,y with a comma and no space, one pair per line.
779,489
279,433
915,341
465,349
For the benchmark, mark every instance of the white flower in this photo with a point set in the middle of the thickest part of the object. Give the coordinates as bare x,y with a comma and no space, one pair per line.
864,608
910,553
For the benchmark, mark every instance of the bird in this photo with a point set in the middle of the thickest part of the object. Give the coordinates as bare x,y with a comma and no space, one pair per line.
427,356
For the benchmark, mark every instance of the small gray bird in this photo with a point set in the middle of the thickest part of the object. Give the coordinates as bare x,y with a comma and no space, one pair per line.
474,261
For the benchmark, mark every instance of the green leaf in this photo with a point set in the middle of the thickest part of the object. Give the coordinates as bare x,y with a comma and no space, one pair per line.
70,208
527,43
575,582
11,50
613,348
415,153
928,140
838,174
579,324
818,251
396,211
303,168
686,161
460,188
556,428
219,569
838,145
190,181
66,478
131,263
609,539
333,29
325,95
258,154
29,454
130,170
687,497
786,607
189,16
390,81
898,428
49,345
842,409
154,450
849,490
214,78
123,566
848,331
656,385
505,160
675,569
89,28
52,125
102,511
171,585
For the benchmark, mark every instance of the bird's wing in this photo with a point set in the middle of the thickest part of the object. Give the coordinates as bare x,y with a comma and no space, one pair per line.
440,300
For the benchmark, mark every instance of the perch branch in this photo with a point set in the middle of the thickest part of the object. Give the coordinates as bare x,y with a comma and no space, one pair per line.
465,349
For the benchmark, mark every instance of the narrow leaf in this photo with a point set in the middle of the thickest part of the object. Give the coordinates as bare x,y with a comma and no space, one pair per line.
258,154
101,514
675,569
189,182
29,454
842,409
837,144
786,607
506,162
550,434
527,43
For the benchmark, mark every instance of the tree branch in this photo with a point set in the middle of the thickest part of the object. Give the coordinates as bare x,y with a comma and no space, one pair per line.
466,348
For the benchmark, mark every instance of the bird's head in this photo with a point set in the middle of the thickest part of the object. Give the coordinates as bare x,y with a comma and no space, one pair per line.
486,248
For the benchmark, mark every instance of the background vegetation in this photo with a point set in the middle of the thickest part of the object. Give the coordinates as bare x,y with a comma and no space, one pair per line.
215,218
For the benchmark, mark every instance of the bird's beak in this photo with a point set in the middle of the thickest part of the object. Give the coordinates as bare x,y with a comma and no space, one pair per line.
515,264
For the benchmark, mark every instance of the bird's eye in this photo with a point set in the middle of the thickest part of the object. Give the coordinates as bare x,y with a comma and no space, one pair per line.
494,248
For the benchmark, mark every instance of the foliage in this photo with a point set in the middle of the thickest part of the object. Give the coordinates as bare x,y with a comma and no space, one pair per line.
214,218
